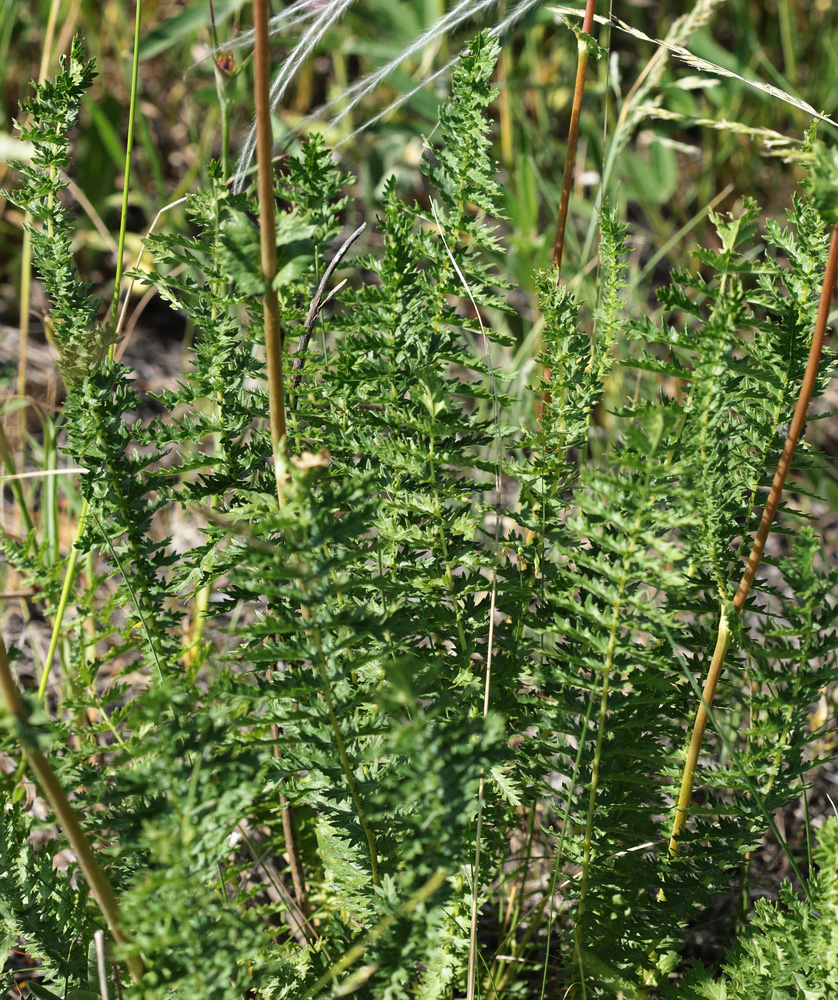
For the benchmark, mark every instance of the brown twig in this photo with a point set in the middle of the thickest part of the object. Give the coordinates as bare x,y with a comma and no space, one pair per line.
794,433
267,236
67,820
573,136
273,327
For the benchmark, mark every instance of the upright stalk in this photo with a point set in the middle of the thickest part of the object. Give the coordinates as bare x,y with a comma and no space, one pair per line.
67,820
267,235
273,327
126,185
573,135
723,638
69,580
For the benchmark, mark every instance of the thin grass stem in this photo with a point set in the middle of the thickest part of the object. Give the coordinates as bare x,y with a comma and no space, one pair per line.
126,188
69,579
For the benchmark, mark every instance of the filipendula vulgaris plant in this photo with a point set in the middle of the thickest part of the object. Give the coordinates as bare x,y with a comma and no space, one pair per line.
283,743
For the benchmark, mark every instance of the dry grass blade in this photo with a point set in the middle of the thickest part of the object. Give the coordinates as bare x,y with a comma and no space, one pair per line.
317,304
702,65
776,144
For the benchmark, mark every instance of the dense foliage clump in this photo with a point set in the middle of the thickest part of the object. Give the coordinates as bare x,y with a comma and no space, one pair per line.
331,745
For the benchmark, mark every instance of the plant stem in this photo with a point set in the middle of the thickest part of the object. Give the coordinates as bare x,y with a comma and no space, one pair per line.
267,235
504,101
8,460
67,820
69,578
798,421
126,186
723,638
573,136
273,332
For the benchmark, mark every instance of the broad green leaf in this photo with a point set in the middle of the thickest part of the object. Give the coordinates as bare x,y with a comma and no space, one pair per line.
295,248
188,22
42,992
241,255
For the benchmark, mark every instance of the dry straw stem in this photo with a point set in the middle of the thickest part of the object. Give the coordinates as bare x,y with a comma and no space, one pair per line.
573,135
66,817
723,638
317,304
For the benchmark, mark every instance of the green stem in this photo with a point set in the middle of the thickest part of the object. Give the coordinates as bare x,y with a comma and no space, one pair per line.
126,188
700,724
8,460
69,578
67,820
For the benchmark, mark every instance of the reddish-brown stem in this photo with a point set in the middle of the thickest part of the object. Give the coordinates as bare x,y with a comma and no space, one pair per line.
798,421
573,136
273,327
807,387
267,236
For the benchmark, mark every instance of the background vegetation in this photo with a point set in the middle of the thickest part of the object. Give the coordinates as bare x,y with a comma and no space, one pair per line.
664,144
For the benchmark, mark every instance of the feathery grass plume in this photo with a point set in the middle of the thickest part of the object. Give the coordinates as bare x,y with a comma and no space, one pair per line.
348,100
325,16
288,18
516,13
